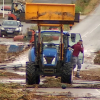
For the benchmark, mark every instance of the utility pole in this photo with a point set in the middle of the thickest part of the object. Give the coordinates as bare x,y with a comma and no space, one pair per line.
3,8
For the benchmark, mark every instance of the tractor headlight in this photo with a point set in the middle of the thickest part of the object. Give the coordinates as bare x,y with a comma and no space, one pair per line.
54,61
44,60
2,28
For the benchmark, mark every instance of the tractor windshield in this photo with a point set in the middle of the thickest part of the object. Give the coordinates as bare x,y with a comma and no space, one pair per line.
51,38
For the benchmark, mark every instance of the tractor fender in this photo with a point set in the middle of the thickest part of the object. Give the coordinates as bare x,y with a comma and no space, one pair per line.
68,55
13,16
32,55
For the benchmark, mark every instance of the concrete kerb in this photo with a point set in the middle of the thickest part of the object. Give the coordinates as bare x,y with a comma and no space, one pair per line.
11,66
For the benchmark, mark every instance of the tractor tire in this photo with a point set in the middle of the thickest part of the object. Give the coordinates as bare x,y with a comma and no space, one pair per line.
67,76
10,18
30,73
37,79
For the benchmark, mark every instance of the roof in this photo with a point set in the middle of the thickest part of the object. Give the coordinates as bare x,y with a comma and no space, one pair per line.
64,32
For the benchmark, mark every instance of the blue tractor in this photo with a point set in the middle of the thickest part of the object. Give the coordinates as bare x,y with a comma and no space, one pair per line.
51,56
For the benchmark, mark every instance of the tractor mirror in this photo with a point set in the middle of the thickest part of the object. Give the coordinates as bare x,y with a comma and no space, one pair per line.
73,37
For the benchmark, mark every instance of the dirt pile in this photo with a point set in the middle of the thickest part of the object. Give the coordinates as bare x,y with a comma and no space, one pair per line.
97,58
3,53
8,75
90,75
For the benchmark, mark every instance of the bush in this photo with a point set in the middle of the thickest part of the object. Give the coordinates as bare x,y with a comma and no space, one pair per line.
78,9
97,59
81,5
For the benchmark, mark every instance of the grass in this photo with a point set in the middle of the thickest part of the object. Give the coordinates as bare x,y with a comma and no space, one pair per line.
86,6
9,92
90,7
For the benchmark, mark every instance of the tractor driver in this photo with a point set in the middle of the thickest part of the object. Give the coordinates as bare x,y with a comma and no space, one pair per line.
16,9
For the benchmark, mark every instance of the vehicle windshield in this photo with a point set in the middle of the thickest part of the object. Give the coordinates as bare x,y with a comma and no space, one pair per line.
51,38
9,23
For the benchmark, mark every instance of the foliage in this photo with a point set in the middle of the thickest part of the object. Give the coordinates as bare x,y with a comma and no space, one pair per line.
97,58
78,9
85,6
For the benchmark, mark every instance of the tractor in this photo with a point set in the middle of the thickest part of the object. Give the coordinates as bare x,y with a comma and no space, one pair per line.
50,55
19,15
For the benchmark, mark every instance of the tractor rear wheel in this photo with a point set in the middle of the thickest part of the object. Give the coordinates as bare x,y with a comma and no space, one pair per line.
30,73
67,76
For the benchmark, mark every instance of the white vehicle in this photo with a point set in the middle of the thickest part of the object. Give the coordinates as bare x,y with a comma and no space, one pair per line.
20,26
10,28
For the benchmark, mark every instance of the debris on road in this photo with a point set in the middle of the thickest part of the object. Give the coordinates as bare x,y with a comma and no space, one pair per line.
97,58
9,53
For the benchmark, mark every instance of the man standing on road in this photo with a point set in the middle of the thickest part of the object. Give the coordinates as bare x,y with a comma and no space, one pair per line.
77,48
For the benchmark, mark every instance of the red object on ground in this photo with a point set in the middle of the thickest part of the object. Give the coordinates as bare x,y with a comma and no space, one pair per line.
18,37
21,37
7,8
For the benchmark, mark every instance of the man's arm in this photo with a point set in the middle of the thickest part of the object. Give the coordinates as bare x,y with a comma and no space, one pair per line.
81,49
72,46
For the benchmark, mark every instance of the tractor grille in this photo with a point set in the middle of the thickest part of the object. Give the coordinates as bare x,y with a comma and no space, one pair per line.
48,70
49,59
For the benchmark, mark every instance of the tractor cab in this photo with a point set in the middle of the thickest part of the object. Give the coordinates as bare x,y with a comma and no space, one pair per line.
20,7
19,14
51,45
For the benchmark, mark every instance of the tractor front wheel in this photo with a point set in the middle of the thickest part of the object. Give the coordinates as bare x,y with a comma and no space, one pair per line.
67,76
31,76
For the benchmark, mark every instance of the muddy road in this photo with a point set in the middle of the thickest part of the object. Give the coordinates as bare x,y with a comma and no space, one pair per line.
90,73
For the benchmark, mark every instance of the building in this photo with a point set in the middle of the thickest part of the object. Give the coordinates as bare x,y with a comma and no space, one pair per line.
6,1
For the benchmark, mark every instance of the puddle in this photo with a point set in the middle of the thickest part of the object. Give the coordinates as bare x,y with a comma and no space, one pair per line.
85,82
82,94
19,72
21,81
